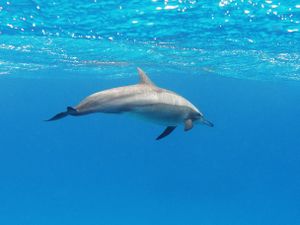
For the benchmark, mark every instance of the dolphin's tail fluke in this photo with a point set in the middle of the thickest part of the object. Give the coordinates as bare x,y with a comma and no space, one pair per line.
70,111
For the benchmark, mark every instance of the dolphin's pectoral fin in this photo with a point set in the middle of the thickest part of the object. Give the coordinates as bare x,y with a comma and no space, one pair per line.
166,132
70,111
188,124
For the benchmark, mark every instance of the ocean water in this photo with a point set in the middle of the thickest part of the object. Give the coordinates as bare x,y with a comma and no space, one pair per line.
237,60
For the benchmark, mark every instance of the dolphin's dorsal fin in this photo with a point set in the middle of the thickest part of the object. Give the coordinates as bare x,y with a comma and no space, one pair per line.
144,79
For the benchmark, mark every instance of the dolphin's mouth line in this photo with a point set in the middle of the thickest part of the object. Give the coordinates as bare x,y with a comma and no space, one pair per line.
206,122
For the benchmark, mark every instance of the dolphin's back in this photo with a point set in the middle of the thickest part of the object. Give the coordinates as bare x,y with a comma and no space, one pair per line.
109,101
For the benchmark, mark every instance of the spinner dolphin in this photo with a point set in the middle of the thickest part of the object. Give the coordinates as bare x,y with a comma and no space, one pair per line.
145,100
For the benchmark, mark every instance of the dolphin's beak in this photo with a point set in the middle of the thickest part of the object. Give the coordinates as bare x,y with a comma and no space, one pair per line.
206,122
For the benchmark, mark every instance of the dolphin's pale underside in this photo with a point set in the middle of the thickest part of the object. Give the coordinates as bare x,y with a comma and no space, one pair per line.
145,100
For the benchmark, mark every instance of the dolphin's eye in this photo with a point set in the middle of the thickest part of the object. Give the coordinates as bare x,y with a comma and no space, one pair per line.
196,115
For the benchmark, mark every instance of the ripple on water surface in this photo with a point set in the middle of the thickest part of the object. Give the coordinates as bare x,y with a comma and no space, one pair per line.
242,39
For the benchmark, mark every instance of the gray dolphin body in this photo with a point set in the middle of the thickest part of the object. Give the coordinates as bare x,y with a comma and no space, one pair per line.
145,100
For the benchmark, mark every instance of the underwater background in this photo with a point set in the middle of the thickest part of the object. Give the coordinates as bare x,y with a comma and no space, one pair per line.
237,60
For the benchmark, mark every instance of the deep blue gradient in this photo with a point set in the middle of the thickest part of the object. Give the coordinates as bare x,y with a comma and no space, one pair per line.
238,61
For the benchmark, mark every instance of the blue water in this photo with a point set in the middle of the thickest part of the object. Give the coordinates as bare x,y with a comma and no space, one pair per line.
238,61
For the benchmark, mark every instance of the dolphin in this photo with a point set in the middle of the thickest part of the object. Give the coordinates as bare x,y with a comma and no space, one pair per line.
145,100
